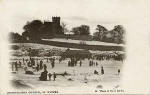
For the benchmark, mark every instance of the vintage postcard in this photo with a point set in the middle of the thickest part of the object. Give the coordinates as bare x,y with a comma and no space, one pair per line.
74,47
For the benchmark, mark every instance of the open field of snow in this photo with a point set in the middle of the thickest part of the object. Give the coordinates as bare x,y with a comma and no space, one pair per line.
23,47
80,76
86,42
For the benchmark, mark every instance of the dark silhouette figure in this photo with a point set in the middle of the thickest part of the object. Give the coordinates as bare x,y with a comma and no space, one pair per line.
95,72
102,70
20,64
118,71
50,75
96,64
43,76
53,63
45,67
54,75
90,63
16,66
37,67
23,60
29,64
41,64
80,63
32,62
69,63
12,66
36,28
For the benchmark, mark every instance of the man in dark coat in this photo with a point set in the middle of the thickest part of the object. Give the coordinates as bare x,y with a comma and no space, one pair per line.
102,70
45,67
54,75
53,63
41,64
43,76
50,75
118,71
16,66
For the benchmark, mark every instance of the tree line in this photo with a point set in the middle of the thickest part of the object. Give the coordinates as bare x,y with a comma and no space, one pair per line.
34,30
116,35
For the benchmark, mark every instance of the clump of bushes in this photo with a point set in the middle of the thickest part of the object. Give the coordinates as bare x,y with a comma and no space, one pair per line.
14,47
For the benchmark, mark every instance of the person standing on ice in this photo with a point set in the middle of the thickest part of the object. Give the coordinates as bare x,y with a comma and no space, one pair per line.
80,63
12,66
37,67
43,76
45,67
118,71
59,60
23,60
53,63
96,64
90,63
54,75
41,64
50,75
93,62
20,64
16,66
69,63
102,70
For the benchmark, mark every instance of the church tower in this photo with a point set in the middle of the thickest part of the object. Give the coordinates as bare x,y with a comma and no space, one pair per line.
56,20
57,29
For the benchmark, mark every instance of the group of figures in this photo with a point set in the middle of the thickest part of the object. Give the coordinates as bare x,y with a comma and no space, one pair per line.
15,65
33,63
39,65
73,62
117,57
44,74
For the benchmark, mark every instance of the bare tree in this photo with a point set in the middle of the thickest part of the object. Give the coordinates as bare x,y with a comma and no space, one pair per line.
64,27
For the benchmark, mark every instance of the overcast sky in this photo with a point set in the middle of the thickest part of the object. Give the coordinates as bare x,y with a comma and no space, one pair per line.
72,12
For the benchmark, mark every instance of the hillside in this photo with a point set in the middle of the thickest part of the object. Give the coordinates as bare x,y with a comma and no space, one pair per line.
88,45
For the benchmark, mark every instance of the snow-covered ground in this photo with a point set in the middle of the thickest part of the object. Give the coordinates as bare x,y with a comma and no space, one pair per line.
25,46
86,42
81,77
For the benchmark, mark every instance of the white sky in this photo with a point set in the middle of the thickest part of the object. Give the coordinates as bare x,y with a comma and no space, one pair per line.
72,12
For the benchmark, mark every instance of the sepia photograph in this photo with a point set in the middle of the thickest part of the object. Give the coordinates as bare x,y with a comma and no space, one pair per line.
47,53
73,46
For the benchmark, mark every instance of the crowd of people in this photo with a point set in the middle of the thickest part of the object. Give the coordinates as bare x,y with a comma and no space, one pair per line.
34,64
117,57
39,64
